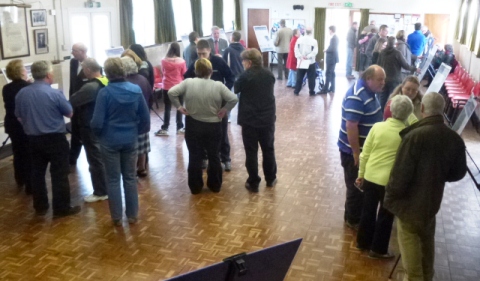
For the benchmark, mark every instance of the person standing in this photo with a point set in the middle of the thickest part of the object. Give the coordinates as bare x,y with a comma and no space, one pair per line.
41,110
146,68
360,111
331,61
206,103
256,115
351,43
306,51
21,156
382,33
222,73
232,54
404,49
77,80
416,40
292,60
120,115
190,52
429,155
362,45
83,102
282,42
217,44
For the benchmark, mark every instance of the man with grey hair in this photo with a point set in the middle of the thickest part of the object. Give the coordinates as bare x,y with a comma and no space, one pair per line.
217,44
77,80
83,102
282,42
306,50
429,155
41,109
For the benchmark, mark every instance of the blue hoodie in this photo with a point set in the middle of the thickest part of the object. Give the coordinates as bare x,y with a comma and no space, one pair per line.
121,114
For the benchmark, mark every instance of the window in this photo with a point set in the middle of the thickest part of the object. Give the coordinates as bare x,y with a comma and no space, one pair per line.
183,17
207,17
472,16
229,15
144,22
462,15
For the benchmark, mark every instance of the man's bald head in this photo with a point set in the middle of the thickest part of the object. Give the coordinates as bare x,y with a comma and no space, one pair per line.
308,30
374,77
79,51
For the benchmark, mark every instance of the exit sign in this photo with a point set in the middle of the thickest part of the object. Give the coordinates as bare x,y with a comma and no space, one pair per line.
340,5
348,5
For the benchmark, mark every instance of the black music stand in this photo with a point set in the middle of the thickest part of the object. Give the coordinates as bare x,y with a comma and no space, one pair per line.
269,264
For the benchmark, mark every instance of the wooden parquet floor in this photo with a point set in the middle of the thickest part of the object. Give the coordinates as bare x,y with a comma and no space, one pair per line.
178,232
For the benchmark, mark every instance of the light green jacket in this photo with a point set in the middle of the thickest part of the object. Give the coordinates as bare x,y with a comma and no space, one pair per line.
379,150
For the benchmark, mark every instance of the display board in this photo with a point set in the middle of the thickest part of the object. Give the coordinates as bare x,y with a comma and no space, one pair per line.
115,52
426,62
264,42
439,78
465,115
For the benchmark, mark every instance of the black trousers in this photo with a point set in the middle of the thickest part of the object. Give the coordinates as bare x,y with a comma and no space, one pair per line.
329,78
354,198
75,141
311,76
251,138
168,108
95,162
21,158
201,137
53,149
224,143
363,62
374,230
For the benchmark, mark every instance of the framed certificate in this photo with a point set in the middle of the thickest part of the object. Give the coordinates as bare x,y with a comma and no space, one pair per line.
13,32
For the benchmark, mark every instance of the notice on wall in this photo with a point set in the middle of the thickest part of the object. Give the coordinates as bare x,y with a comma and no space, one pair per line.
263,38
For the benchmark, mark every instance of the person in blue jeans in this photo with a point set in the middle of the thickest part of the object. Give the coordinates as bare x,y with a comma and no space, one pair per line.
120,115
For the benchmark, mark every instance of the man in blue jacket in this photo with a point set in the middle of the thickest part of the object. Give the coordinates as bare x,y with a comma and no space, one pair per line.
416,41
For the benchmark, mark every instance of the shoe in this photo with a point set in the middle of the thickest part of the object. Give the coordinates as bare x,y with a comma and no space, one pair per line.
70,211
331,91
132,220
162,133
374,255
180,131
312,94
227,166
117,222
363,249
94,198
142,173
321,93
204,164
296,94
251,187
353,226
272,183
41,212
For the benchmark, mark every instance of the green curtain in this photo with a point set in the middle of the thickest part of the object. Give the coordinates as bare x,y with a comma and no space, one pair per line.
459,19
127,34
197,16
218,13
238,15
319,33
364,15
475,28
463,36
164,22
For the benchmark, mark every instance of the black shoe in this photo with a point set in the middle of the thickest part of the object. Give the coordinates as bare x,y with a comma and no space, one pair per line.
321,93
312,94
70,211
251,187
271,183
296,94
374,255
353,226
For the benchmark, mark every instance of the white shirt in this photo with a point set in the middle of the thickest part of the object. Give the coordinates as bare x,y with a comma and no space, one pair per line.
306,47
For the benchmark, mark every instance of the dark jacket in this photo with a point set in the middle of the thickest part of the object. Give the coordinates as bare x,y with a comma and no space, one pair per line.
332,51
404,49
232,55
77,80
392,62
221,71
83,101
256,105
9,93
371,45
429,155
352,38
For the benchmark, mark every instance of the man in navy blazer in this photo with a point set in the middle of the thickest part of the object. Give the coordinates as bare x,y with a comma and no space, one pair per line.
331,61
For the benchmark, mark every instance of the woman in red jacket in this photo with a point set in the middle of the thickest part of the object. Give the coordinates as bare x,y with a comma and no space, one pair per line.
292,60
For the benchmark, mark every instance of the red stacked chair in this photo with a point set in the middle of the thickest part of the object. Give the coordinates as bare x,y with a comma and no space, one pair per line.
157,85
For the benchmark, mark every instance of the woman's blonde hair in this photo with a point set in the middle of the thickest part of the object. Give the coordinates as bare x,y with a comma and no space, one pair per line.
379,44
133,55
15,69
203,68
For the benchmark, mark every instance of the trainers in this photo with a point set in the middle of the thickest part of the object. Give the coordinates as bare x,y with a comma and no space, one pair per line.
204,164
132,220
271,183
374,255
68,212
94,198
117,222
227,166
181,131
162,133
251,187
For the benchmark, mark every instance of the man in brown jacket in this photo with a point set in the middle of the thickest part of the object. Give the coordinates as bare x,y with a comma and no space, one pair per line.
430,155
282,42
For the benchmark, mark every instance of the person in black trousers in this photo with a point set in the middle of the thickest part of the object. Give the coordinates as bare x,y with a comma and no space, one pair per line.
256,115
21,155
331,61
222,73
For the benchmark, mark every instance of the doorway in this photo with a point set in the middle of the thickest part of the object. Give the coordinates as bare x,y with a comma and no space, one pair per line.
341,19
